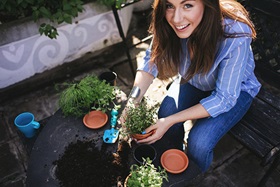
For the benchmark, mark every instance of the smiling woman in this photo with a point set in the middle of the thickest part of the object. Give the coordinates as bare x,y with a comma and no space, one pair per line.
206,44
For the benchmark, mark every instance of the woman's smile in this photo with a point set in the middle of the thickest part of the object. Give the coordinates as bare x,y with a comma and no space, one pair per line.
184,16
182,27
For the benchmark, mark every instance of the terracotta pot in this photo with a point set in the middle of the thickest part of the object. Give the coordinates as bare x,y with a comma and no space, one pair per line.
126,179
95,119
142,136
174,161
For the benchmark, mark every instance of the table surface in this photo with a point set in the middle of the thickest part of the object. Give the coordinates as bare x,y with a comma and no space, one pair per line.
56,136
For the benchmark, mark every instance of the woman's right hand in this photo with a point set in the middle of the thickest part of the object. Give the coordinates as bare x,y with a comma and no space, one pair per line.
160,128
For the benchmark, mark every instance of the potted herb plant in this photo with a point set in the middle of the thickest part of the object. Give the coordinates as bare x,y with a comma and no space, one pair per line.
145,175
140,117
88,94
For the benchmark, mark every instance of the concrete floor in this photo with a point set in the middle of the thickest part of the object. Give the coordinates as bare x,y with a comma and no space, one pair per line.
233,164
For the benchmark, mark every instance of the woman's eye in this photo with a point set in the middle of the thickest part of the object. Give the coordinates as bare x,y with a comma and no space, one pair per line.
188,5
169,6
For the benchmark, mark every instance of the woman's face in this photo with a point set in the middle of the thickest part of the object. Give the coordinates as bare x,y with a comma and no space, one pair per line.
184,16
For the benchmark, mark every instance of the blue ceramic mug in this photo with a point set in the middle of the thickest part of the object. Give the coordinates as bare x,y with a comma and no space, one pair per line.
26,124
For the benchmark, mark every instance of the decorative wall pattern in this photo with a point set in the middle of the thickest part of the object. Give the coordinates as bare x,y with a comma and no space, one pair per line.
24,58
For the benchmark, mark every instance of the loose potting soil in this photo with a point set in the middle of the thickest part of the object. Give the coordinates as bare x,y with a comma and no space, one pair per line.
83,164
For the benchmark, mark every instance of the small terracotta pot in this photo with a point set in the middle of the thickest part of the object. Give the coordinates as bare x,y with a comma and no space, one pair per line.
142,136
174,161
95,119
126,179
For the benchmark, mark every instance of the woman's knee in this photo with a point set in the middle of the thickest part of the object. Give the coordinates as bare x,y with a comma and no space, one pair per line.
197,147
201,154
200,150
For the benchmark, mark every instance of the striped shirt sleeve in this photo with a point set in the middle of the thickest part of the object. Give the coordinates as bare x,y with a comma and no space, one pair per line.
146,65
230,75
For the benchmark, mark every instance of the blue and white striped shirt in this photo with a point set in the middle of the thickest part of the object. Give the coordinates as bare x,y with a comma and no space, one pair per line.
231,73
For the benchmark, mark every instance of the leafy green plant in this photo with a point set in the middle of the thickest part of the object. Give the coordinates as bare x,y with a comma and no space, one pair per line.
146,175
56,11
90,93
64,11
109,3
140,117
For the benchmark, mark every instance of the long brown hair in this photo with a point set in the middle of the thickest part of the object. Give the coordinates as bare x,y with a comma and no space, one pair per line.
202,44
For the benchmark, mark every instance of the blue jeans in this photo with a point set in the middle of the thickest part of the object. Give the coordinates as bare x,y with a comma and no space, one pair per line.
206,132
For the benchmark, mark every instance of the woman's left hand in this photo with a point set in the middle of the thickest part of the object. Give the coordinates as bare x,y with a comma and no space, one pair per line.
160,128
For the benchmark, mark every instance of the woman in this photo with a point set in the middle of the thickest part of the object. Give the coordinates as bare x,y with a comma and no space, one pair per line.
208,43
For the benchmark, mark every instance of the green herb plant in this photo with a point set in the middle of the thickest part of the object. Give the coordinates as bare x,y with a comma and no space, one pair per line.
146,175
140,117
89,94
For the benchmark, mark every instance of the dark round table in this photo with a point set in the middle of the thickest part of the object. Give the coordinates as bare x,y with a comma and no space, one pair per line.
60,131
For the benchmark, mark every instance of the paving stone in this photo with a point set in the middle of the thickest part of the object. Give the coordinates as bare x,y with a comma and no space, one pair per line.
19,183
9,162
226,148
3,131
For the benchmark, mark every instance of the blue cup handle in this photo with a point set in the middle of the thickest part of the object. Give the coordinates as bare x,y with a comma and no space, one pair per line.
36,125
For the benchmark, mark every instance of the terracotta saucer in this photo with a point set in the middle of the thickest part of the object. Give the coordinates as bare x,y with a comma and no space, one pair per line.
95,119
174,161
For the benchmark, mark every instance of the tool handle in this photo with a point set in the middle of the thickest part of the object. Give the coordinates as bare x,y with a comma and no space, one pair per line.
114,114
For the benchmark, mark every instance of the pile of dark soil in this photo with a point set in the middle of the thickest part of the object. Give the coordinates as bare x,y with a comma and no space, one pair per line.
83,164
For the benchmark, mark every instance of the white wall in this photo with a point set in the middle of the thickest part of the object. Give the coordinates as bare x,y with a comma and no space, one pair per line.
23,58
